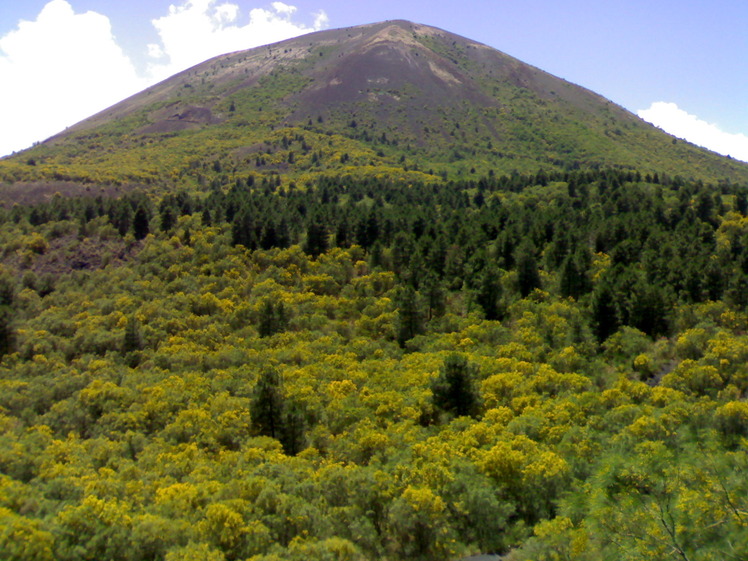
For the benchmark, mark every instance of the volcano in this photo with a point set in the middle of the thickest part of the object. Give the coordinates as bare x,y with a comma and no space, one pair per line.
390,98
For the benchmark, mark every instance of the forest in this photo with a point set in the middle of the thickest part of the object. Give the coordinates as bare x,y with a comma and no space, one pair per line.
545,366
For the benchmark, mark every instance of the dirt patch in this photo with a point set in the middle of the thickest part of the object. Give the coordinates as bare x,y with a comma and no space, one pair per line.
178,118
70,253
32,193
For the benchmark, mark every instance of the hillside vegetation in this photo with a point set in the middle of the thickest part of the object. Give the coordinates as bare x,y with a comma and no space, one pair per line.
393,100
549,366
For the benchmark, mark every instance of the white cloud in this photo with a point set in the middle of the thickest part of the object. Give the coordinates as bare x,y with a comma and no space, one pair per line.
321,20
64,66
57,70
200,29
282,8
674,120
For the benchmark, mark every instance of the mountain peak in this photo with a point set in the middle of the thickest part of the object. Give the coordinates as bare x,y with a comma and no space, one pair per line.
400,95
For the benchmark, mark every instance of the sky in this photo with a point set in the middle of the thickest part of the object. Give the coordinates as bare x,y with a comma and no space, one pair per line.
679,64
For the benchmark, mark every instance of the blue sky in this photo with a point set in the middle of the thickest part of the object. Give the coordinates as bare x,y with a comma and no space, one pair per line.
682,65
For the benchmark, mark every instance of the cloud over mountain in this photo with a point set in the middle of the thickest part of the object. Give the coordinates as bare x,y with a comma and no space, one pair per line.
57,70
674,120
199,29
77,57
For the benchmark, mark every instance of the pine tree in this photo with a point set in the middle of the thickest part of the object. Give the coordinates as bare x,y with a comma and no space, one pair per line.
7,335
292,428
741,202
273,318
375,256
121,217
454,389
574,281
266,406
528,276
133,340
7,298
649,310
569,283
167,217
7,290
402,252
342,234
242,230
409,320
604,314
140,226
316,239
489,294
269,239
436,296
737,291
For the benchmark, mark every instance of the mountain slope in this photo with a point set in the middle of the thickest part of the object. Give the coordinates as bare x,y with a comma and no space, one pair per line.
392,98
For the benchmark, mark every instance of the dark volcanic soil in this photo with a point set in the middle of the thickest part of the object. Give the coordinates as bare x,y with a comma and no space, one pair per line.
42,191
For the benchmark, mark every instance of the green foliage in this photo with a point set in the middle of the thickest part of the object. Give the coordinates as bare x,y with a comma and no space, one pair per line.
528,276
574,282
186,396
490,294
604,313
409,316
454,389
133,340
23,539
267,403
7,335
262,113
273,317
316,239
140,226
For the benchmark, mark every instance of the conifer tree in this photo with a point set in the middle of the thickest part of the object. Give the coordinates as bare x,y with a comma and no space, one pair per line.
121,217
454,389
7,298
528,276
574,281
266,406
273,318
489,294
409,320
316,239
435,295
133,340
242,230
269,238
402,252
604,314
7,290
167,217
140,226
737,291
342,234
292,428
7,335
741,202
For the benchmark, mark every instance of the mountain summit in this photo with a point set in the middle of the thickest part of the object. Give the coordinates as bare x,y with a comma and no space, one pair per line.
392,97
